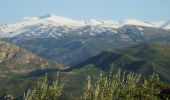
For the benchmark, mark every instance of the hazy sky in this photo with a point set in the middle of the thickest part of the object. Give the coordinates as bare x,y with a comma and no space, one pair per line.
13,10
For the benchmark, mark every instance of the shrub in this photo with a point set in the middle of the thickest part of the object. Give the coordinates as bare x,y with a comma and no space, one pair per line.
44,90
121,87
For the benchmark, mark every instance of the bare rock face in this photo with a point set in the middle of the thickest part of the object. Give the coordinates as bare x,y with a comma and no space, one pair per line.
16,59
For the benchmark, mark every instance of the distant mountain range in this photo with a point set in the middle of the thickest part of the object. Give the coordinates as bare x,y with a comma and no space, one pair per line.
71,41
50,20
32,25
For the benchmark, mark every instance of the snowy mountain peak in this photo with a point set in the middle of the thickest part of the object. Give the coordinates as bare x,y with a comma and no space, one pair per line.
53,17
166,25
60,21
28,24
47,16
137,22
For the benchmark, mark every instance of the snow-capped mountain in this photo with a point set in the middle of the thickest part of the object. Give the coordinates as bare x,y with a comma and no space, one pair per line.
70,41
31,24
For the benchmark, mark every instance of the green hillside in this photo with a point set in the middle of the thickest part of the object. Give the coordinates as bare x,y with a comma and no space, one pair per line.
145,58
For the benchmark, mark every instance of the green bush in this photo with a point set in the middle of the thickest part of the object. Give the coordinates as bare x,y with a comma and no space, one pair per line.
45,91
121,87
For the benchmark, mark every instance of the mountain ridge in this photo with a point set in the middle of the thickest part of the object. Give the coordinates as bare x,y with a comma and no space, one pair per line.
67,41
56,21
145,58
16,59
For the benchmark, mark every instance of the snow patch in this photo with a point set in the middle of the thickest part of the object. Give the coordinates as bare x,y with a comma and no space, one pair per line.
140,28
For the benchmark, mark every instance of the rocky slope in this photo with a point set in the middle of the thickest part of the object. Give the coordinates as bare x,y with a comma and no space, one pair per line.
16,59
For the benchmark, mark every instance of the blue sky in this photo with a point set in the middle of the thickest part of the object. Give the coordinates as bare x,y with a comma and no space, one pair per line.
13,10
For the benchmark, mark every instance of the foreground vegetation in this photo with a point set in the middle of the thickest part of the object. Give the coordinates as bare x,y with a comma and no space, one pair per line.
120,86
45,90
